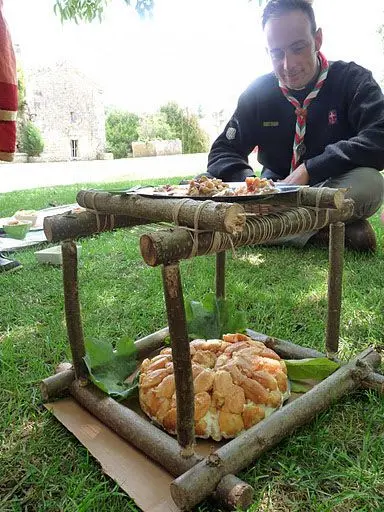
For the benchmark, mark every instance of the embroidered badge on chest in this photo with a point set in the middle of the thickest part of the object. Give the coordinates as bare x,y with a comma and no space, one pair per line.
230,133
332,117
270,123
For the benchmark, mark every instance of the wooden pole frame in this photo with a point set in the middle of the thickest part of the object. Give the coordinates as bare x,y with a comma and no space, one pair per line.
181,357
220,275
197,477
72,308
335,278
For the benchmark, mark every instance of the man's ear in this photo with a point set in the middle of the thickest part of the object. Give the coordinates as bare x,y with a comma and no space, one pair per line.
318,39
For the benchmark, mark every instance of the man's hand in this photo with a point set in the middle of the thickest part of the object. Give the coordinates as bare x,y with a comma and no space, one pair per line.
299,176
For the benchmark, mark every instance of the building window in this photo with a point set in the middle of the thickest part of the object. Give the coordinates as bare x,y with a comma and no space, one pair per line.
74,148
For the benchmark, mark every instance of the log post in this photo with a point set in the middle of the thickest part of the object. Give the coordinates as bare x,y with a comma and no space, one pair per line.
335,278
220,275
152,441
202,480
185,397
72,307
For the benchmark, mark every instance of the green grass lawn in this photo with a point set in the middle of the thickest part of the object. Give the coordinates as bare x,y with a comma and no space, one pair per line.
334,464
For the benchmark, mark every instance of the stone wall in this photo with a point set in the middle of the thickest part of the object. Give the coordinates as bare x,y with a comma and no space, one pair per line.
66,107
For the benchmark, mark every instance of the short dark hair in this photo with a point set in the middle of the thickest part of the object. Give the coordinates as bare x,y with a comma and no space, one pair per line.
279,7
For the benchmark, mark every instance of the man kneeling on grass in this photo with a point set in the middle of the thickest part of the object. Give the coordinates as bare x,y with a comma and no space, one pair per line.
8,109
315,122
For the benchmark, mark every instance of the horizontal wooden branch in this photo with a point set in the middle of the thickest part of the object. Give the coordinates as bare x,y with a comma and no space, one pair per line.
288,350
166,246
78,224
202,480
214,216
153,341
54,387
155,443
309,196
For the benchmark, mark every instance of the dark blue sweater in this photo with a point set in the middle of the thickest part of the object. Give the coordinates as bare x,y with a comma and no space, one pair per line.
345,128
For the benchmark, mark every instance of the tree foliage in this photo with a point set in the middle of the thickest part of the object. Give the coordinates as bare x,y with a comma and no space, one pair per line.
88,10
31,140
171,122
186,127
154,126
121,130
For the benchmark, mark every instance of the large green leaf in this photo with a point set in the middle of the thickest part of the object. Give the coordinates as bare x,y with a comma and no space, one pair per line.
109,368
213,317
298,386
314,368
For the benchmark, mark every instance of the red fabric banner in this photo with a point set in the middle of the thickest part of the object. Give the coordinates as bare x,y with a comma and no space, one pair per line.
8,92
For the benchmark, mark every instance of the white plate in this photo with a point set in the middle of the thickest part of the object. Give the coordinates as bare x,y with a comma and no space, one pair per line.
180,192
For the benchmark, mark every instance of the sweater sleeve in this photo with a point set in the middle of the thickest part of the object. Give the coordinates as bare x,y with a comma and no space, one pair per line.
366,148
228,158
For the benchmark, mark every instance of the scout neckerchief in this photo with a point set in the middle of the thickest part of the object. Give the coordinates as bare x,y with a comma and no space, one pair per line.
8,92
301,111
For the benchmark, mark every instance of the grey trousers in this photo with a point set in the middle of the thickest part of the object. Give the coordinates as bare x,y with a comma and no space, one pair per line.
365,186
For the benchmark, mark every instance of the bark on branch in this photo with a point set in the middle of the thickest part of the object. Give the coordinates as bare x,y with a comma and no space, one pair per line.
72,308
309,196
202,480
163,247
75,225
214,216
155,443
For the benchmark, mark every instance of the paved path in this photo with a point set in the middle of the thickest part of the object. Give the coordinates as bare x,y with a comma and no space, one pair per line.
26,176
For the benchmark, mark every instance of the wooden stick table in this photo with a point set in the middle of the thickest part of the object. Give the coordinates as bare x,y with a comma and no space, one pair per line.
200,228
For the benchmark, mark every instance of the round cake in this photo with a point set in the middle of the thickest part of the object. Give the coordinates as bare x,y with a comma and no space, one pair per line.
237,383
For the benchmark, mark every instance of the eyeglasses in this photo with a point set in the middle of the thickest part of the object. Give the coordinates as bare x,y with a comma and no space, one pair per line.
298,48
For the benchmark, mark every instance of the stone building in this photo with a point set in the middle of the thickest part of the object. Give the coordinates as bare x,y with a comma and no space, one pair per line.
68,109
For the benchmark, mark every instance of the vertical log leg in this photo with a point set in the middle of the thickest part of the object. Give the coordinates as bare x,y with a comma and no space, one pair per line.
72,307
220,275
181,358
335,276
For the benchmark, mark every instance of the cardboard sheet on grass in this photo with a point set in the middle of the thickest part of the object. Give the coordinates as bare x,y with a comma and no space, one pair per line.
145,481
36,235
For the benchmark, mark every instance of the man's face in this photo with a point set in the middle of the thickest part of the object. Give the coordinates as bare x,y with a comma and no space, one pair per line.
292,48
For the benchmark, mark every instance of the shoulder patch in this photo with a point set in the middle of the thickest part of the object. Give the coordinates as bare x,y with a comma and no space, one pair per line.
230,133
